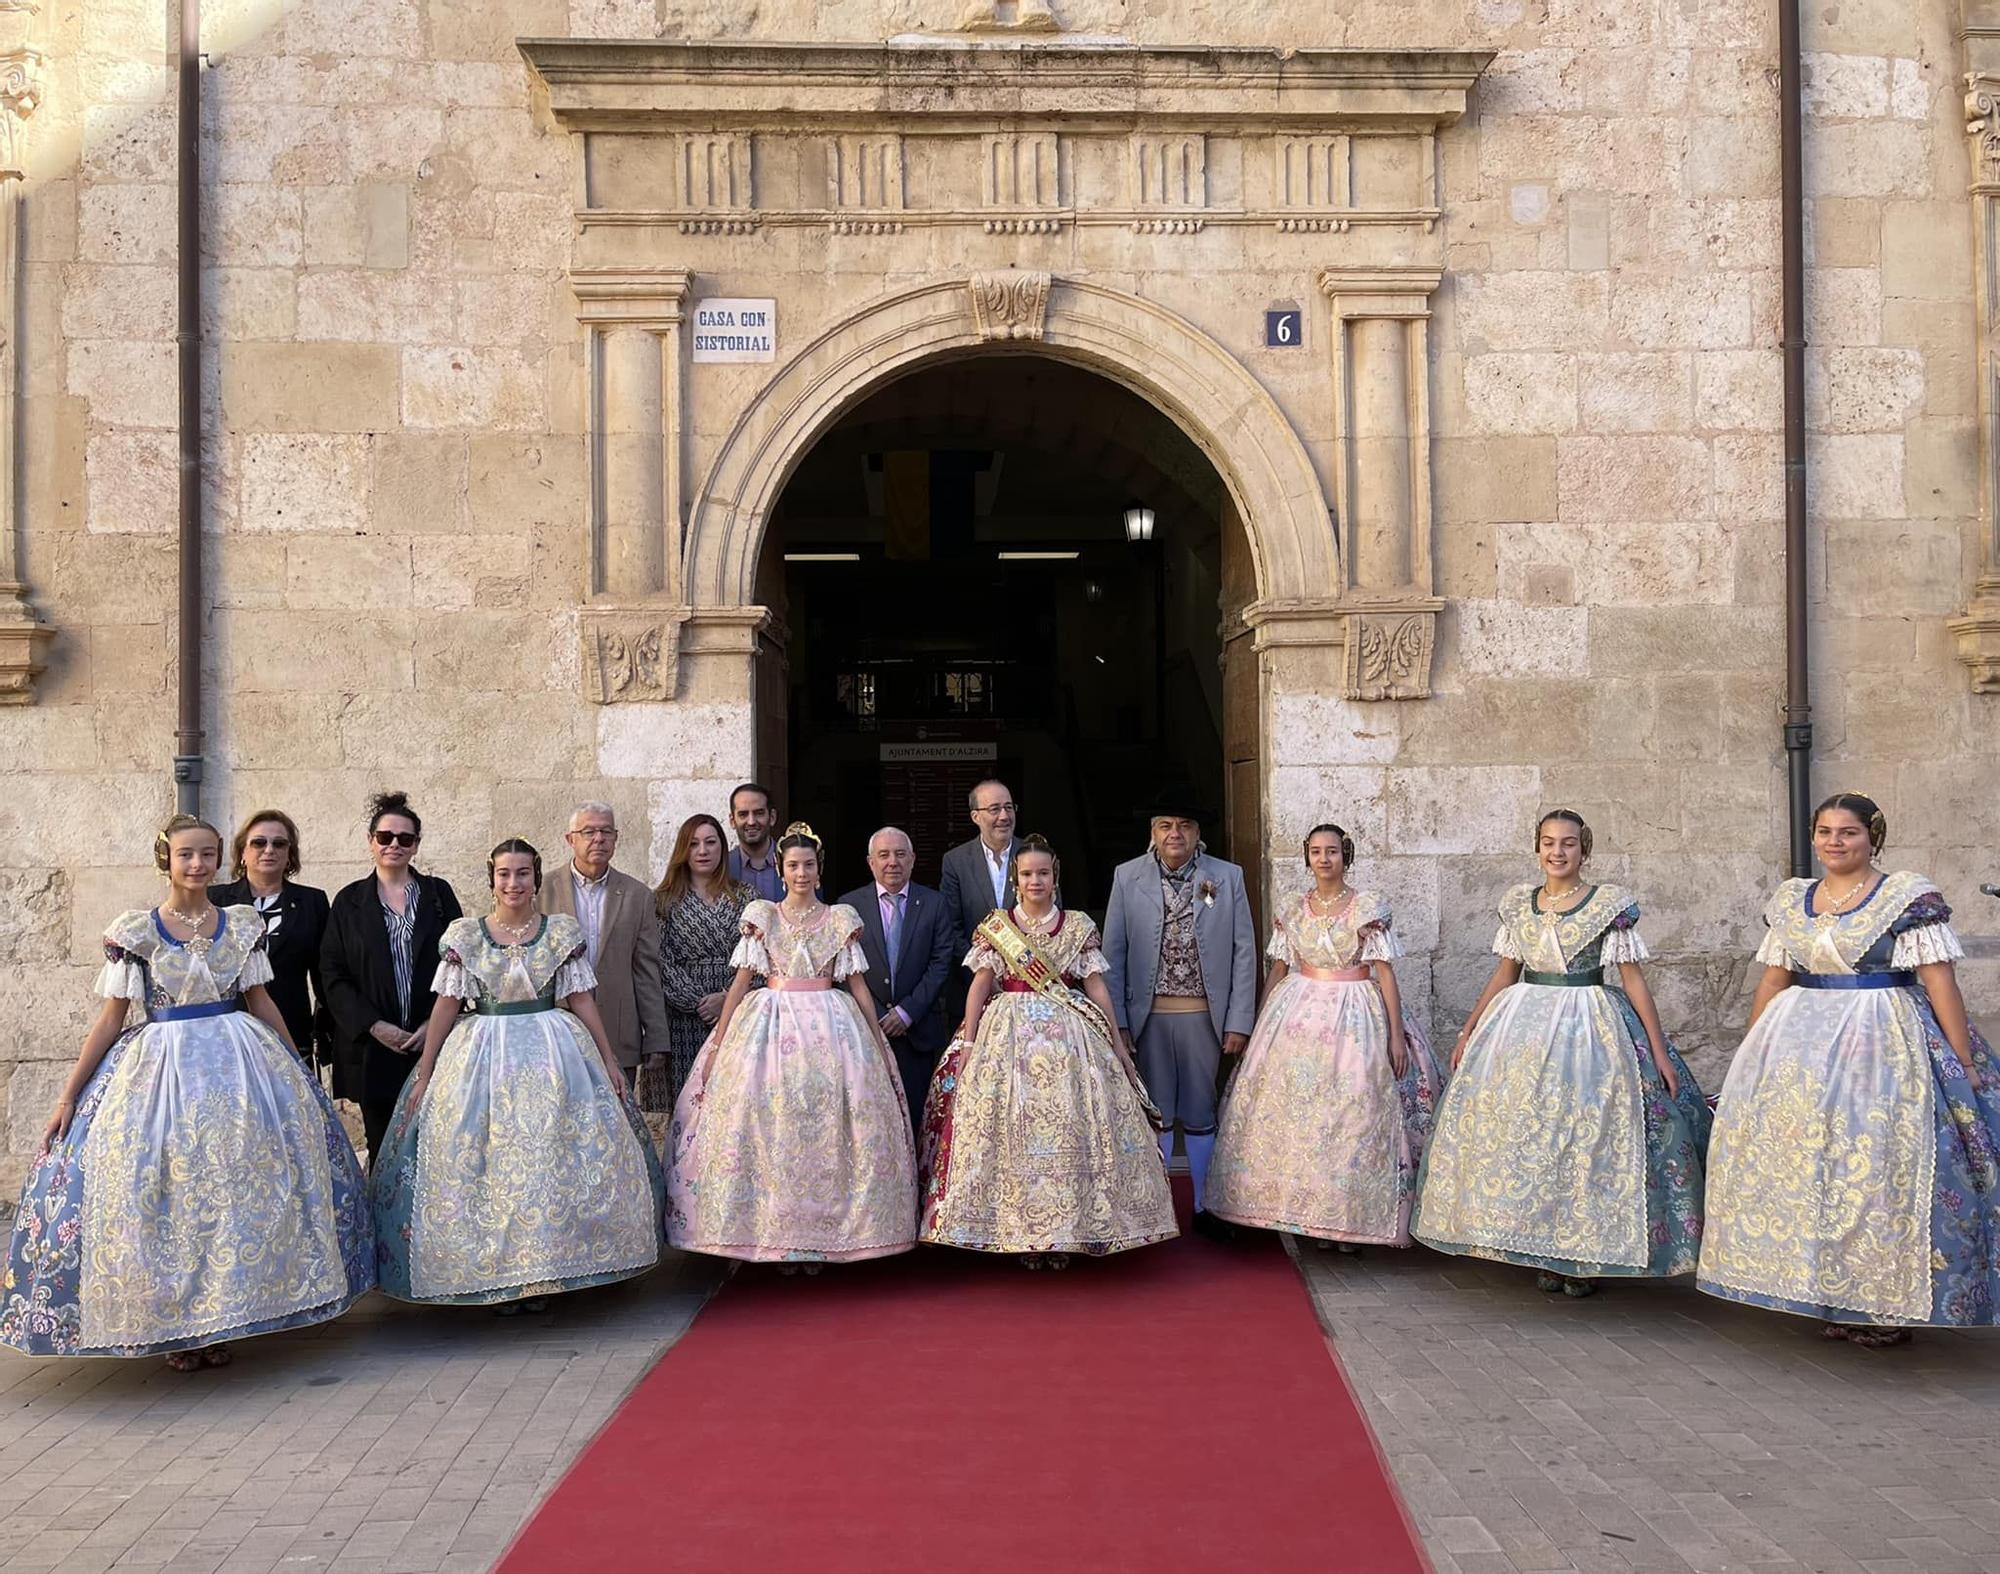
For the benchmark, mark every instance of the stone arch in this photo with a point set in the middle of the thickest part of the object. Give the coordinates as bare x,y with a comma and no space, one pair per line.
1155,352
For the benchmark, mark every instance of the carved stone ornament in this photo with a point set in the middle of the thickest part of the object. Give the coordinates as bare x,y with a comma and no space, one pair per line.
1977,634
1008,16
1389,654
22,637
630,653
1982,124
1010,305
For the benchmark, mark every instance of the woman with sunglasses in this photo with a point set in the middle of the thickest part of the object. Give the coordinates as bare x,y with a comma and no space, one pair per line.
374,962
264,857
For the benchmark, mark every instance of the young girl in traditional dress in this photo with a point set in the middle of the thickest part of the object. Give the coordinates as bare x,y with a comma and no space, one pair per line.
1571,1134
1853,1175
1037,1138
1325,1122
516,1164
194,1184
791,1140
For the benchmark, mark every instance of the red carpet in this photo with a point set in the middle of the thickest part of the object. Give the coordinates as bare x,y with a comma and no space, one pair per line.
1169,1409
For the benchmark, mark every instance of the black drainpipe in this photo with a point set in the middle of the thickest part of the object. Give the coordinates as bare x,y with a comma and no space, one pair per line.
188,734
1798,682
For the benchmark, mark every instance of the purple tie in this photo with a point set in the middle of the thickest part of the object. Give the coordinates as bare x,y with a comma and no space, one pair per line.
892,925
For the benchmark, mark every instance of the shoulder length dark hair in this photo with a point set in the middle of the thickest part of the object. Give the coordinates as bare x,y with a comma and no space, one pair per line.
679,879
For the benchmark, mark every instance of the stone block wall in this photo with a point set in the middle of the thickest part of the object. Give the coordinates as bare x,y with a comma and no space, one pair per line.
397,469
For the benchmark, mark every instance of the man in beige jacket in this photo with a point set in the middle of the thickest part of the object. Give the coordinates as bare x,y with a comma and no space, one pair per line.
622,931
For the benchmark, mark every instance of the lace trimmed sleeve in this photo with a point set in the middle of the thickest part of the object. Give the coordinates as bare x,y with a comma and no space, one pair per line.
1771,951
1379,942
1507,944
1090,956
1923,931
452,977
123,976
1621,940
1279,947
752,951
256,970
983,958
575,976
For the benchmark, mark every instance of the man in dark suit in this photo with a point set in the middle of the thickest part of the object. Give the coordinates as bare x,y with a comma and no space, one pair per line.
907,938
978,877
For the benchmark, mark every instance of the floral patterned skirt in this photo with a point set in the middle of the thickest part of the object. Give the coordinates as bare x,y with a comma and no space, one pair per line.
1319,1136
1035,1140
1557,1145
523,1173
791,1141
206,1191
1855,1173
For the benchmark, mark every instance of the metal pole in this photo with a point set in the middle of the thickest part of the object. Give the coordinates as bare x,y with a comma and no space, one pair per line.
1798,730
188,734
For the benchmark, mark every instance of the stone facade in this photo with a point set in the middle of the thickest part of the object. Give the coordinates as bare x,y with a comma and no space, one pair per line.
477,526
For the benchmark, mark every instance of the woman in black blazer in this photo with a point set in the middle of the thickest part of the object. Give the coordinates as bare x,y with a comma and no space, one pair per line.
378,960
264,858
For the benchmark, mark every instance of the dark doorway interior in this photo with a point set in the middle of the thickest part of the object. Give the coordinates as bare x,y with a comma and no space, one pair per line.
960,599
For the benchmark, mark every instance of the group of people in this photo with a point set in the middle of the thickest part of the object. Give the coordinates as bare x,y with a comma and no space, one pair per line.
975,1066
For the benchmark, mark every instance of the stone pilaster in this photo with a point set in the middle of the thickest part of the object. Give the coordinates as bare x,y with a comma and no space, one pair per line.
22,632
1977,631
636,423
1379,330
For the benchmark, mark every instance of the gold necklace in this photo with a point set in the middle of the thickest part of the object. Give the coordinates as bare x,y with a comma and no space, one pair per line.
518,931
1838,905
1553,897
1346,894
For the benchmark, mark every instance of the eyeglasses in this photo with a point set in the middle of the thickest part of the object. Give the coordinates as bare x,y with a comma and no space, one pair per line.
275,843
597,833
395,838
995,808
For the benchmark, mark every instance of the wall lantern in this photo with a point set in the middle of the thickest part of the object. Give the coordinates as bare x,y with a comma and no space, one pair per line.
1138,523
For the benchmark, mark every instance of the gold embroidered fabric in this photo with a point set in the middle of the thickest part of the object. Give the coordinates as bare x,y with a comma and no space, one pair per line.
528,1171
1039,1140
208,1190
826,945
791,1138
1360,931
1822,1164
1547,942
1828,942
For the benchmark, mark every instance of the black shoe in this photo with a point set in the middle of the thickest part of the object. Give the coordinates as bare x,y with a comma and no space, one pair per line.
1206,1223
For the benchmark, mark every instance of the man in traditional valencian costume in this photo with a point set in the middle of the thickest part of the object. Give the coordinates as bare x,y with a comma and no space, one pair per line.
1183,976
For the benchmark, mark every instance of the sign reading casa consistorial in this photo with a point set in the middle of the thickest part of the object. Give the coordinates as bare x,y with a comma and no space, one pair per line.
922,198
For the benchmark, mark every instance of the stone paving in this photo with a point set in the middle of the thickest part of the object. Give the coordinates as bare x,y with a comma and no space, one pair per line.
397,1440
1645,1428
1651,1427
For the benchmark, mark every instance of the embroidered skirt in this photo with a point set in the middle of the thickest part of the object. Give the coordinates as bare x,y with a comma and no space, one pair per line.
206,1191
791,1140
523,1173
1035,1140
1319,1136
1853,1175
1557,1145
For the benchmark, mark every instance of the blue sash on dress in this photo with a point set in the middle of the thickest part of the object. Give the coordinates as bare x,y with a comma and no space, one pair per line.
1903,978
208,1008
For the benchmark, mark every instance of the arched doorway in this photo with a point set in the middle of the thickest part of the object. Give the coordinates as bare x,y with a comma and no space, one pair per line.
957,593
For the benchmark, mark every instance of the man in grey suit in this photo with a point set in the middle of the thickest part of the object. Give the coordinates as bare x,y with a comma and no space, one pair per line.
1183,976
621,931
907,939
978,877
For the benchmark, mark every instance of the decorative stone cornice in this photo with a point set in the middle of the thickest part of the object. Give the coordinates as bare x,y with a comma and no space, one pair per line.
931,84
652,298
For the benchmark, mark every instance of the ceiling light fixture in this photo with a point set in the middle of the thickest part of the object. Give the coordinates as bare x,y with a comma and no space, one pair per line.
822,557
1138,523
1038,557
